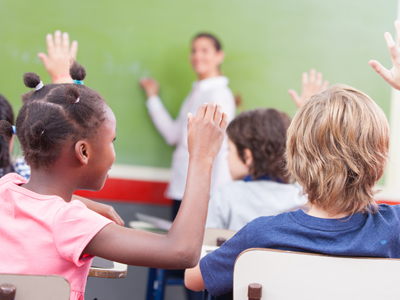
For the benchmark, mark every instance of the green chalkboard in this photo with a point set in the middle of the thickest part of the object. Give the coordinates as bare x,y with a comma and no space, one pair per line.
268,44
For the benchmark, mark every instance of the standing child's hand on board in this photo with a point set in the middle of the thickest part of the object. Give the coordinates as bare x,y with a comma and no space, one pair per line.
206,131
311,85
150,86
391,76
60,55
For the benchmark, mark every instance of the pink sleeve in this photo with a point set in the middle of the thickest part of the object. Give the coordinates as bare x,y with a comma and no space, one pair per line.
74,227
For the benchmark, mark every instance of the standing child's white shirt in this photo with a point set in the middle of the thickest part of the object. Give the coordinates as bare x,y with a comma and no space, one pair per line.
175,131
235,204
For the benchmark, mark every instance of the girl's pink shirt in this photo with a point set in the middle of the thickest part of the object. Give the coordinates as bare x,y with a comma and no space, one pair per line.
45,235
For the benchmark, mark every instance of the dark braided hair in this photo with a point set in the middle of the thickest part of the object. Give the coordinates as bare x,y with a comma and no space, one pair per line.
263,131
7,114
53,114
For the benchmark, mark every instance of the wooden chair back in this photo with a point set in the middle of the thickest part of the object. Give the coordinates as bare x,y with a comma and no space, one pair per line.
302,276
34,287
211,235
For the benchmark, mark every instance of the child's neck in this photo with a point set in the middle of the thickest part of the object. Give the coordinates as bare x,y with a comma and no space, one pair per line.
318,212
45,182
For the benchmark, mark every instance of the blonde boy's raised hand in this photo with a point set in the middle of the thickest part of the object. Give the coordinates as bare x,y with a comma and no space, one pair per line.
206,131
311,85
60,55
391,76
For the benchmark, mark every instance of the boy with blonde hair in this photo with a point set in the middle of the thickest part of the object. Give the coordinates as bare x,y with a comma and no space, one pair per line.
337,147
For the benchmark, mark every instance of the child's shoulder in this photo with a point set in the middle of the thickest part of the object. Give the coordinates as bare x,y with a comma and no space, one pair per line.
388,212
11,178
240,188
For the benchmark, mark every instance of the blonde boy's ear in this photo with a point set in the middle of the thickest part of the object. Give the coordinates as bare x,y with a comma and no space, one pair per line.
82,152
248,157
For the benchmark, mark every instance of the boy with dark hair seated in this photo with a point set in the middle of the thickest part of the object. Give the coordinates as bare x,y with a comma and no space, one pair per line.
337,148
257,142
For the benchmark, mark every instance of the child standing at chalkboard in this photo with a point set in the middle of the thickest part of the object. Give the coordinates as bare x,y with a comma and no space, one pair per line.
206,58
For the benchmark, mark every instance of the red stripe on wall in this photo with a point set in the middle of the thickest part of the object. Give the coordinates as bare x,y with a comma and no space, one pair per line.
148,192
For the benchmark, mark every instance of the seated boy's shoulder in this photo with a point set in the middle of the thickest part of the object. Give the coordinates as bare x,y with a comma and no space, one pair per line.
231,188
387,211
270,221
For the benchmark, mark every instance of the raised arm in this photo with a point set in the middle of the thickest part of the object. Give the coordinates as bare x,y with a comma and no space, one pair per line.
391,76
59,56
166,126
181,247
311,85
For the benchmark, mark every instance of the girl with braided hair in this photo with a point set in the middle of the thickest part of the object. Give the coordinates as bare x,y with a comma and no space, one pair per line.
67,133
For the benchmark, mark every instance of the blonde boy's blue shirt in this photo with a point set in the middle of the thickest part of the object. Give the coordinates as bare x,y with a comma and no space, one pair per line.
368,235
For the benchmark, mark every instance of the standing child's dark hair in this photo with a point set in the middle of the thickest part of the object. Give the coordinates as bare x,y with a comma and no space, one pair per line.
53,113
263,132
213,38
7,114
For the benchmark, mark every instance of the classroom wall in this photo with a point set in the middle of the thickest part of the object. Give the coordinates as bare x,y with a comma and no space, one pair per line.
268,45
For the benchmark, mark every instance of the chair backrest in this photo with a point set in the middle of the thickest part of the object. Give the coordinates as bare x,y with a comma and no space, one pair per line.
37,287
297,276
212,234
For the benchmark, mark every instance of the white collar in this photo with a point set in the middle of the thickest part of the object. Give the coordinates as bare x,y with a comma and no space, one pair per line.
209,83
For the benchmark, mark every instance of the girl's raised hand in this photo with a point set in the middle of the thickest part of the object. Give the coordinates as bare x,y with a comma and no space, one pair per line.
391,76
311,85
60,55
150,86
206,131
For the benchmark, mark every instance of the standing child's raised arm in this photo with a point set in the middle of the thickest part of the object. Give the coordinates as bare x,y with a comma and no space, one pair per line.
391,76
181,247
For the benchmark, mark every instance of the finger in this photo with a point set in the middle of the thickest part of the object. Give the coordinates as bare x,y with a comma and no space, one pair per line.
57,40
295,96
393,50
201,112
218,114
74,50
190,118
44,58
210,111
381,70
65,42
318,82
325,85
304,83
50,44
118,219
312,76
224,121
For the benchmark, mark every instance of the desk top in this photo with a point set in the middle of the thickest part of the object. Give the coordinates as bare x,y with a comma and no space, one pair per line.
205,249
117,271
139,225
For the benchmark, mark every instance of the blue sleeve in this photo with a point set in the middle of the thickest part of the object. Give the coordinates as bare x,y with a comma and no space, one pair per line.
217,267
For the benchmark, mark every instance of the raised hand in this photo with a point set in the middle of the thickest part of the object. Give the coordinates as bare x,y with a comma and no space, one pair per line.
60,55
311,85
206,131
150,86
391,76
